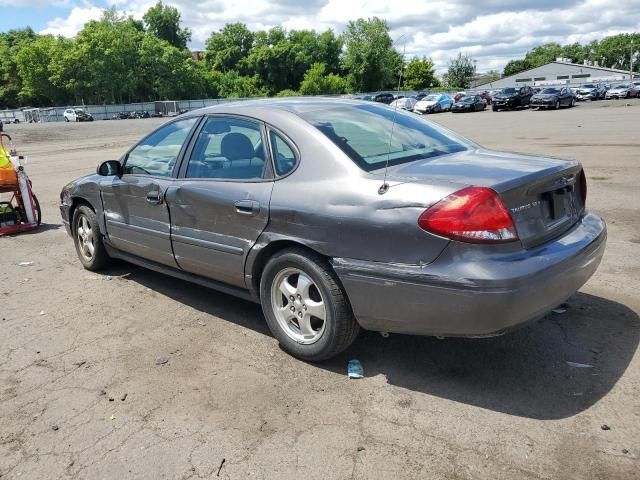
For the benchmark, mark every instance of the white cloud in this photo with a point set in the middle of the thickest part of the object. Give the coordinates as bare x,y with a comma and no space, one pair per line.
71,25
492,31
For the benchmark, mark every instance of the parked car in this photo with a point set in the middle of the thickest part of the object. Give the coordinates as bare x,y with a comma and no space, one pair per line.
368,98
434,103
405,103
475,242
623,90
486,96
120,116
510,98
384,98
591,91
459,95
553,97
472,103
420,95
77,115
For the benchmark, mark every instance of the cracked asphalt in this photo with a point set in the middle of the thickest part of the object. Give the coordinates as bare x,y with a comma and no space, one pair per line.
81,395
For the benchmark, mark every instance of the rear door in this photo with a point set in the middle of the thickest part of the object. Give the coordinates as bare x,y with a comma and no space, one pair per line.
136,213
220,203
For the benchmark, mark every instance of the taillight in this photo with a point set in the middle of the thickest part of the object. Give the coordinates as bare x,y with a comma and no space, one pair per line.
473,214
583,187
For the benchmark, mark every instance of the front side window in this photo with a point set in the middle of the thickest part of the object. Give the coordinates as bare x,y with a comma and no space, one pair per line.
157,154
363,133
228,148
284,157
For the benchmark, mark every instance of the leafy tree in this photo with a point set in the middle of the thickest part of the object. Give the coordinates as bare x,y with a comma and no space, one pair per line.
10,81
164,22
493,75
615,51
461,71
516,66
419,74
288,93
370,58
228,47
544,54
34,63
317,82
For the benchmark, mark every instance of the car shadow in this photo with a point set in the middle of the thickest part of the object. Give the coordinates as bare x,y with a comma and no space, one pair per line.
227,307
524,373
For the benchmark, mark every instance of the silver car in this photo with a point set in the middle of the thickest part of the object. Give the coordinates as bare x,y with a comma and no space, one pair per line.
313,208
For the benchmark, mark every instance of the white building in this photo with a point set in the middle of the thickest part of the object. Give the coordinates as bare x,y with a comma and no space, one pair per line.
560,72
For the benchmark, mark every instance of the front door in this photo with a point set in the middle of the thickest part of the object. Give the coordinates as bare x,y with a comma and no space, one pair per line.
220,203
135,209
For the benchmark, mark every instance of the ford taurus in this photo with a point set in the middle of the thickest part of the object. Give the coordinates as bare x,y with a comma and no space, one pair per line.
338,215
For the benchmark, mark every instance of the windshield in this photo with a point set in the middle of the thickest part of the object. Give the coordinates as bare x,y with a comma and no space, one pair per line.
508,90
362,133
621,86
431,98
588,85
467,100
551,90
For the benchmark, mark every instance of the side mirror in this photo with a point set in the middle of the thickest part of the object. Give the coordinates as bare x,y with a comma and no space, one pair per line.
110,168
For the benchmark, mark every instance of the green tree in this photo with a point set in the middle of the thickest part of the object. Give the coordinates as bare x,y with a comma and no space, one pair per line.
615,51
10,82
34,65
543,54
461,71
419,74
317,82
493,75
516,66
164,22
228,47
369,57
288,93
102,66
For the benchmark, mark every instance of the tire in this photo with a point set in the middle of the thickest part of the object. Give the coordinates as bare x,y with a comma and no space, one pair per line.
38,211
323,294
85,219
66,119
557,105
572,103
494,108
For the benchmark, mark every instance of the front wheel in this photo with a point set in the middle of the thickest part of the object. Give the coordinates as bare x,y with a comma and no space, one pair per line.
557,105
494,108
87,239
305,306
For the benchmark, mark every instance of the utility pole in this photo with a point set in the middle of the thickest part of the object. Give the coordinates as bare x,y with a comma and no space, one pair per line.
631,61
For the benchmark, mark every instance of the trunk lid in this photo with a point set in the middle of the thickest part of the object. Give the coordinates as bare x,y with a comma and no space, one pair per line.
543,195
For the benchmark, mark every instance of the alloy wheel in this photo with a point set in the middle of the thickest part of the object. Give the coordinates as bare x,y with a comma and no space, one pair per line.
298,306
85,238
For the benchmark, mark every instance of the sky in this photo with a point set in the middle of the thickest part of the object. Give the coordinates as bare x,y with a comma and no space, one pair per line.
491,31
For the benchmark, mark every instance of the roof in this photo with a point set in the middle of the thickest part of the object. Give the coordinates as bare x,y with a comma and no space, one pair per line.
290,104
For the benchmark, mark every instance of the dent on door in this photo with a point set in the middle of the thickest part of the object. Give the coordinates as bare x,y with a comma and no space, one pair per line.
215,224
137,218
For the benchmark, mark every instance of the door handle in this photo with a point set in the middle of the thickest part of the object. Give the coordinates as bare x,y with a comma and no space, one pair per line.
154,197
247,207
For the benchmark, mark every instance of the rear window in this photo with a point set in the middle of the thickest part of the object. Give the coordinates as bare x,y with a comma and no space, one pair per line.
363,133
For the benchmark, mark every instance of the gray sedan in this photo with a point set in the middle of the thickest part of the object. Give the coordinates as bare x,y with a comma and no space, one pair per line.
337,215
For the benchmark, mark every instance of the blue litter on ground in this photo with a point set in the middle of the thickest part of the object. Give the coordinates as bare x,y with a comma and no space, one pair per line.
354,369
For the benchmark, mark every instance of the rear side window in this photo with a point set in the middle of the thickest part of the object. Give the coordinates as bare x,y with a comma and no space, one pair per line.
284,157
363,133
228,148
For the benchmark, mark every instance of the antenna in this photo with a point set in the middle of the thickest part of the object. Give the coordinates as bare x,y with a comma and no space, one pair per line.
385,186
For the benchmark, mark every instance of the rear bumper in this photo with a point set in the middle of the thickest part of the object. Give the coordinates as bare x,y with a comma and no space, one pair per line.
473,293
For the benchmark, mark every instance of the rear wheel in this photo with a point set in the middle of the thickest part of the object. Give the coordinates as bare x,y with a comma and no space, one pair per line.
87,239
305,306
